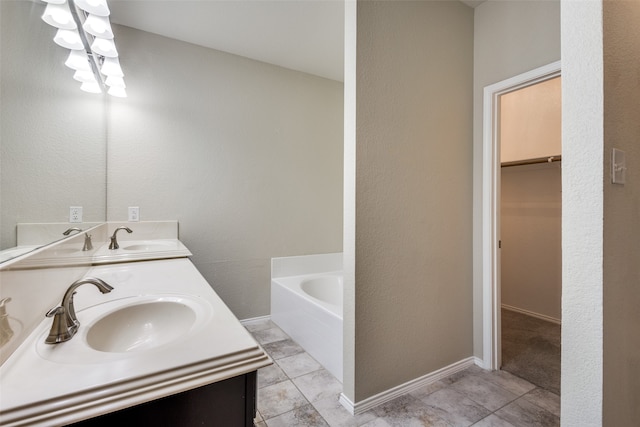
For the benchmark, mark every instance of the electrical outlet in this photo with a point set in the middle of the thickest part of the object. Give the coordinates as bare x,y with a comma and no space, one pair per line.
134,214
75,214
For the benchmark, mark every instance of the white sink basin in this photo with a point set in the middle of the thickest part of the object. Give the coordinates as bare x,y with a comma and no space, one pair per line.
66,252
142,249
141,326
148,247
129,326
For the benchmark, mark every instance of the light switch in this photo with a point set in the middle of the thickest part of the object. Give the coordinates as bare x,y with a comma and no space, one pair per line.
618,167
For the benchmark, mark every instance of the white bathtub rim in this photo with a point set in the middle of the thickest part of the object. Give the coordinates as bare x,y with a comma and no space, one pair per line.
292,284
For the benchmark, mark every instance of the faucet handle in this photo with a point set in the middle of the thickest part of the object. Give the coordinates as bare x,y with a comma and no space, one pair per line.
55,311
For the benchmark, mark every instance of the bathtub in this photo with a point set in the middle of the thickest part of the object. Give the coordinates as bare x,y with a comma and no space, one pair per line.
308,308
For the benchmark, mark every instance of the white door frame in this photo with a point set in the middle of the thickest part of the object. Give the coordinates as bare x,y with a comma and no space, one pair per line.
491,344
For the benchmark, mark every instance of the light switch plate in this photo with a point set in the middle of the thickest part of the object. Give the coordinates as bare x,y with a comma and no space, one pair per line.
618,167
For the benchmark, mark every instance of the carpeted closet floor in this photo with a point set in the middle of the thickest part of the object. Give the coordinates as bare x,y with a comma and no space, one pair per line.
531,349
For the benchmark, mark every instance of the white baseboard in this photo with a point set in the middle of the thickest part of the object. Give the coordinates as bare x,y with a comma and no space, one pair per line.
253,320
386,396
532,314
480,363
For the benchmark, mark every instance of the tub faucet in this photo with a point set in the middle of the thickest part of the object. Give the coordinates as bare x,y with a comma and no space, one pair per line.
114,242
65,323
69,230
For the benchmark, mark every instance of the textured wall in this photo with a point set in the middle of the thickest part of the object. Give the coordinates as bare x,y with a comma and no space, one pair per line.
52,135
582,213
621,386
412,192
245,155
510,38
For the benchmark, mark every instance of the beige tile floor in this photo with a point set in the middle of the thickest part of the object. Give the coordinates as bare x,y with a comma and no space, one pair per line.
297,391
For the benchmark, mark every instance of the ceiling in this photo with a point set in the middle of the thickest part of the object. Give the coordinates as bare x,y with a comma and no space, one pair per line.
303,35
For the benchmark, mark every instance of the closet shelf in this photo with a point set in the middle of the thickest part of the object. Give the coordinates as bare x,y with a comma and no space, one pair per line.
549,159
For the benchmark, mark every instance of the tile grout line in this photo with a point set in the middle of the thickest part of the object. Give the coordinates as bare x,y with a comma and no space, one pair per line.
275,361
308,402
298,388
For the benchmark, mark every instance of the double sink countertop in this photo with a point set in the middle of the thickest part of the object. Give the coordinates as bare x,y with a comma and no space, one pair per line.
102,370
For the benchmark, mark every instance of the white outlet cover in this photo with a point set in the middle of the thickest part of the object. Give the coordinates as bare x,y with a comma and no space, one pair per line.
134,214
75,214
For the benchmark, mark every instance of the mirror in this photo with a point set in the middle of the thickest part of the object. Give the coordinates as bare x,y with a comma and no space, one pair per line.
52,135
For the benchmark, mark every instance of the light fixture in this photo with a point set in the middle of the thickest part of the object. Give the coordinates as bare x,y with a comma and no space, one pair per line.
91,87
69,39
84,76
98,26
78,60
58,15
94,7
111,67
84,28
117,91
115,81
104,47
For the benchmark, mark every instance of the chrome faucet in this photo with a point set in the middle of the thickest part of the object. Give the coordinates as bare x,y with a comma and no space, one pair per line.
5,329
114,242
69,230
65,323
87,242
87,238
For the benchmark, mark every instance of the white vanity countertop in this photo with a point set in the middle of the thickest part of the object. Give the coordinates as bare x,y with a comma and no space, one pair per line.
40,385
70,253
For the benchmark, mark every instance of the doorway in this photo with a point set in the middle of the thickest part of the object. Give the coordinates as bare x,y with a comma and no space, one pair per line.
491,234
530,232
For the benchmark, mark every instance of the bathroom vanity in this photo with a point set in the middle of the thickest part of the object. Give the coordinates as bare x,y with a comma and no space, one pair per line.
160,347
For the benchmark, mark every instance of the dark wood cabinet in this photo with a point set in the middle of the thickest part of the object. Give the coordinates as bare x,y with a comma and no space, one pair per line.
227,403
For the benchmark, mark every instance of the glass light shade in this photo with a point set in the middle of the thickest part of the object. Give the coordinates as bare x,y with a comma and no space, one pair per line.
98,26
115,81
95,7
91,87
117,91
59,16
111,67
69,39
84,76
104,47
78,60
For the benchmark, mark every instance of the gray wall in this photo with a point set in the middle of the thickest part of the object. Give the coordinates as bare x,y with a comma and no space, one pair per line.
621,215
412,230
52,135
246,156
510,38
530,230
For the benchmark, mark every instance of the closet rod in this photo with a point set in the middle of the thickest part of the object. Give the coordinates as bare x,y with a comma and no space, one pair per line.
549,159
